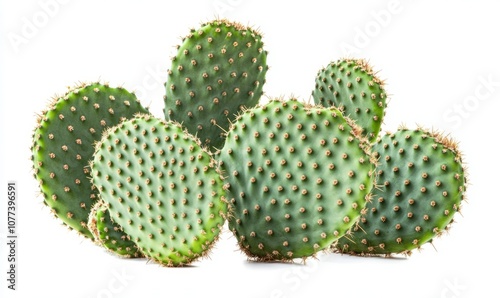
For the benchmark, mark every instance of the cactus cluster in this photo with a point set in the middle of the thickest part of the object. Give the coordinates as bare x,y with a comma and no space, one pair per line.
290,179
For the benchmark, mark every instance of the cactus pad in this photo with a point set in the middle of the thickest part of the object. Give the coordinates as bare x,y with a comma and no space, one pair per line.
422,184
351,85
63,144
219,69
109,234
298,177
161,188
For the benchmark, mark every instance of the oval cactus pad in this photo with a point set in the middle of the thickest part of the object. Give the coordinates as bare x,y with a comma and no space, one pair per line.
219,69
63,144
110,235
352,86
422,184
162,188
297,177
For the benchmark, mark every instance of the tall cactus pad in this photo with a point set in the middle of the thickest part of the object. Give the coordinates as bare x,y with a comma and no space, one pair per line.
63,144
351,85
219,69
161,188
109,234
297,176
423,183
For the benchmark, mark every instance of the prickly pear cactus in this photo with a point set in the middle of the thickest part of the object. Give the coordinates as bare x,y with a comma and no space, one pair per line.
109,234
298,177
219,69
422,184
162,188
352,86
63,144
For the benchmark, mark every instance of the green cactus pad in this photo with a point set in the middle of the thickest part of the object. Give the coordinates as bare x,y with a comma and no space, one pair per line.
297,176
422,184
109,234
219,69
63,144
162,188
351,85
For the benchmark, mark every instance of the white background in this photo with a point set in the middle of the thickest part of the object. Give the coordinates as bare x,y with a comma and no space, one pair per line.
441,64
